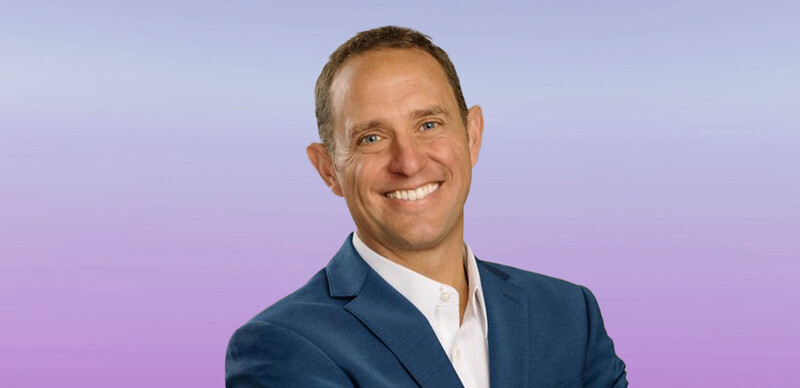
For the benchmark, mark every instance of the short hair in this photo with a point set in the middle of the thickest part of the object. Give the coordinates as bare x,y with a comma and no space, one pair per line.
387,37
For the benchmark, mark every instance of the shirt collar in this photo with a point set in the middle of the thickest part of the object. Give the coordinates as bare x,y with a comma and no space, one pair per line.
476,290
419,289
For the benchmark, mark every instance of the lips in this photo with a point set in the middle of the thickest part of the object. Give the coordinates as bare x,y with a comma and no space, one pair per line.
414,194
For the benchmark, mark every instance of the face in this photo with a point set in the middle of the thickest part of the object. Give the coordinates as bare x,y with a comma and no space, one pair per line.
403,155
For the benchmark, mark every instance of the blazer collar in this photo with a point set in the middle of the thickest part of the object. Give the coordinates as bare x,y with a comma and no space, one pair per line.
347,271
391,318
507,311
406,332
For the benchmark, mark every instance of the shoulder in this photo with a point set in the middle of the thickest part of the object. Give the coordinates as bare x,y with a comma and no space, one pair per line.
310,313
310,301
544,286
284,344
563,300
570,316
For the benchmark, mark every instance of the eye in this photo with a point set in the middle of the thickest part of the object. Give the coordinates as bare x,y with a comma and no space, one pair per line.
370,139
428,125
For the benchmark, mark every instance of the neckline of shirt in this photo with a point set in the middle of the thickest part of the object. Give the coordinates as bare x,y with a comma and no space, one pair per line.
420,289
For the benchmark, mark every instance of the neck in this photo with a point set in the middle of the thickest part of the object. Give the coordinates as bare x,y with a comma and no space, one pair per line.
442,262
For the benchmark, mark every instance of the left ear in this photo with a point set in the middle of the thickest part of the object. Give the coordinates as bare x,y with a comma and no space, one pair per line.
474,132
322,162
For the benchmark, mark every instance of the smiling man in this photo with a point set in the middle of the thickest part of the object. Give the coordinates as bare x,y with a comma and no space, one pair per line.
405,302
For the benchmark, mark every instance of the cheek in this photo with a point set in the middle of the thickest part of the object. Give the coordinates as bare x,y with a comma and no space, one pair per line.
451,153
362,176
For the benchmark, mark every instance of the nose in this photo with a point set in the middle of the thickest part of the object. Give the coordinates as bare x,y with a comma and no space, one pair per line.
406,156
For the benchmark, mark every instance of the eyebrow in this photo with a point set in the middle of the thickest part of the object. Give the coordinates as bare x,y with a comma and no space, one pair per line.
433,110
358,129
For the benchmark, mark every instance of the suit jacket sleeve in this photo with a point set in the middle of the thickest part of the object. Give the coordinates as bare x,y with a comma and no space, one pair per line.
603,367
262,354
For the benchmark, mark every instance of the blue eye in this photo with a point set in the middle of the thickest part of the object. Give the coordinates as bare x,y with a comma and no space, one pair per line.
428,125
370,139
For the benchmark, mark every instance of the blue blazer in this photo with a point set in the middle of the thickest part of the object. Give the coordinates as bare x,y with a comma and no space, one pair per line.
347,327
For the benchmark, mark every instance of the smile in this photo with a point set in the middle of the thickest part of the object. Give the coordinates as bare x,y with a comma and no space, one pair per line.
415,194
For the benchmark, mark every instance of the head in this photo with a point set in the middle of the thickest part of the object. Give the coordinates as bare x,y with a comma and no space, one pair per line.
370,40
398,142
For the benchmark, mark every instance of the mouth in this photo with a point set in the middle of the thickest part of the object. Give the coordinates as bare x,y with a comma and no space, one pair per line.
416,194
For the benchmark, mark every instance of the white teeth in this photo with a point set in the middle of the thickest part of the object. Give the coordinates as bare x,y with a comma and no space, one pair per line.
414,195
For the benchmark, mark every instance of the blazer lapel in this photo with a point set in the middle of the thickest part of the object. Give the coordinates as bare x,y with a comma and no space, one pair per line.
507,313
391,318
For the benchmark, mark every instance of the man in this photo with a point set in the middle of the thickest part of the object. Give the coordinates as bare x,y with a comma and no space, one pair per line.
405,302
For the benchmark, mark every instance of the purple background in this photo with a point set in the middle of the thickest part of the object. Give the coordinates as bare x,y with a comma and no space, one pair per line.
155,193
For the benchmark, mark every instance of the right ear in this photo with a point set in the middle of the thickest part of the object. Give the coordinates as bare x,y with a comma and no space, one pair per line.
321,161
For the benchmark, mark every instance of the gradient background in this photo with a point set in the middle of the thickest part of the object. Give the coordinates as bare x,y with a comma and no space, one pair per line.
155,193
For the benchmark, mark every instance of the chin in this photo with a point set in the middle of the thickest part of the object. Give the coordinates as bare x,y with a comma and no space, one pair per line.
418,239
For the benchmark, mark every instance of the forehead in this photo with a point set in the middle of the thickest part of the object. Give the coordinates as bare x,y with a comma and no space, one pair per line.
388,82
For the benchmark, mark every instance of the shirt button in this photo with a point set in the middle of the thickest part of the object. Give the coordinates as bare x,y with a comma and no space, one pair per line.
444,297
457,354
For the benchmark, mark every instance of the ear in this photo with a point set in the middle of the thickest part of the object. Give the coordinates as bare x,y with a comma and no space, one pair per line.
474,131
322,162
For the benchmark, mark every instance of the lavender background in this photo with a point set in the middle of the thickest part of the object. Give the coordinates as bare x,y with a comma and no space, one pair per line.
155,193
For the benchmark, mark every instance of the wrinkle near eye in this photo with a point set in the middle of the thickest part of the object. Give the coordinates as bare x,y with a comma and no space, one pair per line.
342,154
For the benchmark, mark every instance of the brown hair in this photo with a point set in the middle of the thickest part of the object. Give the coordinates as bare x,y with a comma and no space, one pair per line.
374,39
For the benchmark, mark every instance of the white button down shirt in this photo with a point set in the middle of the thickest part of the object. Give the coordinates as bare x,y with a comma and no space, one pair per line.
466,344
